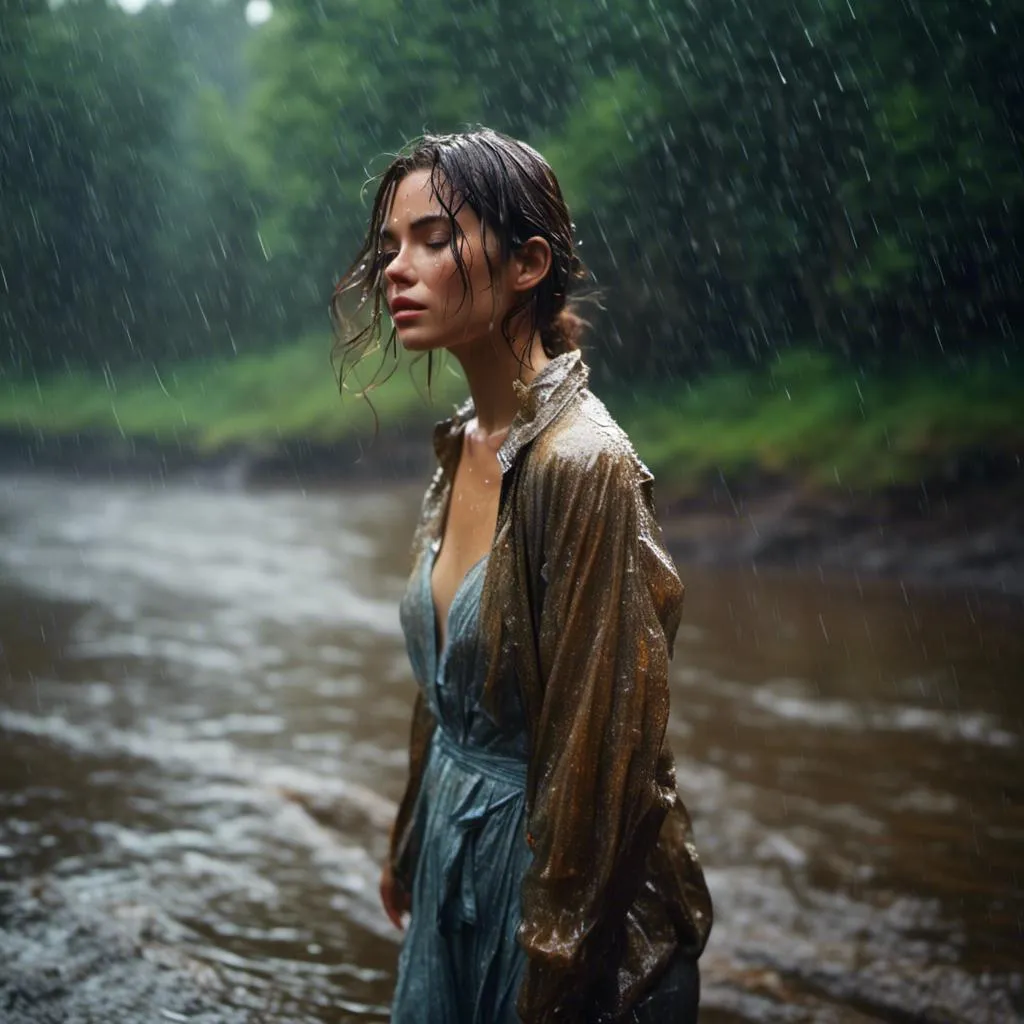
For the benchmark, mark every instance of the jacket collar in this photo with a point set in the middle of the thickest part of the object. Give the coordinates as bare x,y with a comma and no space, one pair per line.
540,402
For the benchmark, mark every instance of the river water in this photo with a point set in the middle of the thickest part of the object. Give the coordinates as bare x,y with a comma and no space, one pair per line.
204,699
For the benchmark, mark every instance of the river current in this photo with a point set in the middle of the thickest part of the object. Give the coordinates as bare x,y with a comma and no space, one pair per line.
204,704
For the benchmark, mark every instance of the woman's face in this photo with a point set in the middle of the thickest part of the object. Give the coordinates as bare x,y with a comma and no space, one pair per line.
427,297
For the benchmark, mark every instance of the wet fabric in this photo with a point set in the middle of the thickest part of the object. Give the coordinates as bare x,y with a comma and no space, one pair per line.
578,609
675,998
460,962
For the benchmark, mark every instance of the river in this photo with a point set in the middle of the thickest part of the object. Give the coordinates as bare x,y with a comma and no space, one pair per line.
204,700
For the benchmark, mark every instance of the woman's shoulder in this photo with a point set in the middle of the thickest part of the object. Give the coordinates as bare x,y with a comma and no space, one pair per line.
586,441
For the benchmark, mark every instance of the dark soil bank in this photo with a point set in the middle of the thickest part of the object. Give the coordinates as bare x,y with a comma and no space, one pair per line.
962,528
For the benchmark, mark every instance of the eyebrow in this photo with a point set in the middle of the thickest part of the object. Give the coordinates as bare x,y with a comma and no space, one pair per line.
419,222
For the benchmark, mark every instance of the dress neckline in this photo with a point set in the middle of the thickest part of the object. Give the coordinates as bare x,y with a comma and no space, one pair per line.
439,651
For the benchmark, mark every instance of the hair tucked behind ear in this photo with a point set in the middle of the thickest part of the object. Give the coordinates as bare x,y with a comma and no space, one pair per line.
516,195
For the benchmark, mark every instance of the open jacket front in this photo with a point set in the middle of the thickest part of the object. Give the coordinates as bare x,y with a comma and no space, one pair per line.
579,612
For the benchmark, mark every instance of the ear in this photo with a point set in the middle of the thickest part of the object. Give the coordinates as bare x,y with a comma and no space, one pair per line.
531,263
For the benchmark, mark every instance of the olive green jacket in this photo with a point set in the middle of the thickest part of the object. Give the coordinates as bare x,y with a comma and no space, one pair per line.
579,611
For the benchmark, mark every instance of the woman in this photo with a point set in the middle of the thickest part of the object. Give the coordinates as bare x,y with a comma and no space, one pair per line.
541,849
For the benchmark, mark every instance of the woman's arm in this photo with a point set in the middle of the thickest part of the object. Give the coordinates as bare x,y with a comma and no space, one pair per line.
609,614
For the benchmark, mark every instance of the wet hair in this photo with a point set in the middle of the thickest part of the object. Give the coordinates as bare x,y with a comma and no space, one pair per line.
515,194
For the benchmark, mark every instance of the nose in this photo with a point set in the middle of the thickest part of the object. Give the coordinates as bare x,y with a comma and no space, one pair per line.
399,269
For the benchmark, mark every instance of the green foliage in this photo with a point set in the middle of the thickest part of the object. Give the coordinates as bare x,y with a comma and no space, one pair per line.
177,182
599,135
111,212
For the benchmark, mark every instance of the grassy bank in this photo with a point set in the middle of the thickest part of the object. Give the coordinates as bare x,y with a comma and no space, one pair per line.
289,393
809,418
804,417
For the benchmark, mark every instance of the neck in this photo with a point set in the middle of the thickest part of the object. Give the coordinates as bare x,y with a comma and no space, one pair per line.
491,367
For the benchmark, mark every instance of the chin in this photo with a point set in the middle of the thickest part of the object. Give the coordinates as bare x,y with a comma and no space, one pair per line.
414,341
413,344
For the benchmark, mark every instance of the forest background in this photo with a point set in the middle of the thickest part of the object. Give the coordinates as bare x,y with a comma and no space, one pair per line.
804,217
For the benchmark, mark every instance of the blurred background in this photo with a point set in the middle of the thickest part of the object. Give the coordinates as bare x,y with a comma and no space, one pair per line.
804,220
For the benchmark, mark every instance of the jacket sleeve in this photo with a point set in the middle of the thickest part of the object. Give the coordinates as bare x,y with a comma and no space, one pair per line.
406,834
596,799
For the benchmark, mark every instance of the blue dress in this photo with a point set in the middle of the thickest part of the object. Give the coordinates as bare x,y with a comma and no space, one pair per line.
461,963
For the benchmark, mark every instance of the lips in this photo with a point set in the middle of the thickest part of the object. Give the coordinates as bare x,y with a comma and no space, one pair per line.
402,305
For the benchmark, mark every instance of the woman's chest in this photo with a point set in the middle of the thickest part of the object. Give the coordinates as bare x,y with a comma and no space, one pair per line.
467,530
